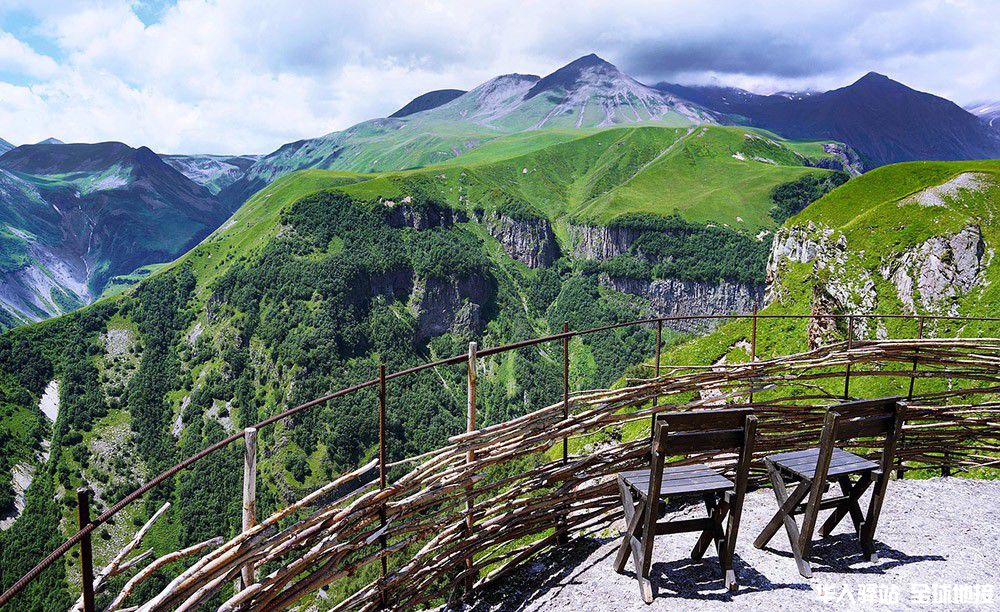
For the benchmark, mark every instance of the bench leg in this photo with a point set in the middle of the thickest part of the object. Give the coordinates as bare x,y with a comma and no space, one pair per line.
701,546
634,541
722,543
850,505
867,532
786,504
633,519
785,516
641,573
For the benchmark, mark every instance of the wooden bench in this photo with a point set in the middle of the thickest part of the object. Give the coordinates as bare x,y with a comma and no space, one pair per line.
641,490
814,468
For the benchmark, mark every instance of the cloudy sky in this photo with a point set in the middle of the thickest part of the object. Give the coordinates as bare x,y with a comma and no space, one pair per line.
245,76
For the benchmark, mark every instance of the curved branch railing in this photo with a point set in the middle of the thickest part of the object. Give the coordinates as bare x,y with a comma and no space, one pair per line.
560,426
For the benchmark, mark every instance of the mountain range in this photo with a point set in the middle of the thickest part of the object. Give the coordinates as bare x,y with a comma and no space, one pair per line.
60,203
988,112
586,93
213,172
76,215
883,120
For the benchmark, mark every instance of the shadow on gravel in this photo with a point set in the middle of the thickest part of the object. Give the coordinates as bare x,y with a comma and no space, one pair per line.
684,579
842,554
549,572
702,580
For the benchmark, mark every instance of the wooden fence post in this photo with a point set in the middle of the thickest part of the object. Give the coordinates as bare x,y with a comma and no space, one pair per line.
900,472
383,543
561,523
753,347
850,345
656,400
470,457
86,550
565,373
249,494
916,351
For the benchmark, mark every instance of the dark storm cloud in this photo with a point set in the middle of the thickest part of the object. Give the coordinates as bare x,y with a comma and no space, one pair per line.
779,58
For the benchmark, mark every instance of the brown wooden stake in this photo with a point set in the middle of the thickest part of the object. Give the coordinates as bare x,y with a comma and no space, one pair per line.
563,536
900,472
470,457
656,400
850,345
565,347
753,345
86,551
382,541
916,356
249,494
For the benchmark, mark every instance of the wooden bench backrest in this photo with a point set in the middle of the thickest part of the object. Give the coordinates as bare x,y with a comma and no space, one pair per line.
865,418
701,430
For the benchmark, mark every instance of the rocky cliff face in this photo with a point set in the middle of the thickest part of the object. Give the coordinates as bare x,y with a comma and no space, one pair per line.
394,284
926,278
451,305
668,297
53,282
844,288
601,242
529,241
847,159
421,217
938,271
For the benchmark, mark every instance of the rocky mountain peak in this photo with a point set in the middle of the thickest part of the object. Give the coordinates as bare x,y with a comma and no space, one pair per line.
579,72
427,101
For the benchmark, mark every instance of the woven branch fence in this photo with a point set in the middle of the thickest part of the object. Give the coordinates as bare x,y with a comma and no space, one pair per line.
463,515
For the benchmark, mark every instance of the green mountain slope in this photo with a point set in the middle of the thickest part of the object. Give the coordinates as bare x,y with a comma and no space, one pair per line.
915,237
596,177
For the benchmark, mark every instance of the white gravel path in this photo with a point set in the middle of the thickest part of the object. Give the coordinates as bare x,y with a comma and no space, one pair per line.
935,538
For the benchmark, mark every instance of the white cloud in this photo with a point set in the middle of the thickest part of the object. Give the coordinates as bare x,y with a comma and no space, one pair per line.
230,76
20,59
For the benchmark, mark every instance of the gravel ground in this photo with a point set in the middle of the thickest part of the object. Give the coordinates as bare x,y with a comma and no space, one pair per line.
937,544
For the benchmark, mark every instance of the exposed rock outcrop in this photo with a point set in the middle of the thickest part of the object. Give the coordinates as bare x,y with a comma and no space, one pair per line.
938,271
846,159
821,329
51,283
394,284
601,242
668,297
845,288
421,216
529,241
451,305
927,278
